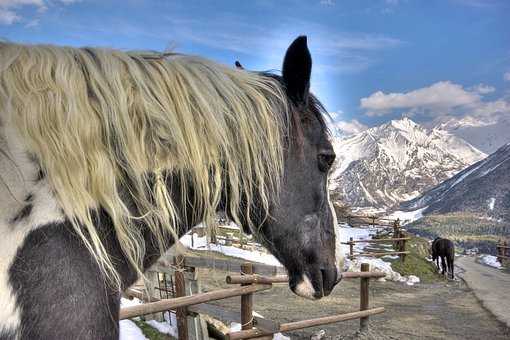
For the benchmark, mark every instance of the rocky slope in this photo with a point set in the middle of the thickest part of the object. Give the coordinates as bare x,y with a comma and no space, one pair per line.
482,188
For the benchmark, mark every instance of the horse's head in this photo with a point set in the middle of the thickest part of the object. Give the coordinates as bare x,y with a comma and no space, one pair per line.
300,229
433,249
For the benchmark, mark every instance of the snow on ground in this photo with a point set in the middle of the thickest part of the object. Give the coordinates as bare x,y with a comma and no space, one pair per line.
130,331
128,303
376,264
346,232
492,201
490,260
412,279
235,327
379,265
200,243
169,326
407,216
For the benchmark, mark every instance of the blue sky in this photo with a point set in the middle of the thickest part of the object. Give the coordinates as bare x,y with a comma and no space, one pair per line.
373,60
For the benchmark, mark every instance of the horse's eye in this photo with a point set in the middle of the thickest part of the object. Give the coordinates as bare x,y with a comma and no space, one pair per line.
326,159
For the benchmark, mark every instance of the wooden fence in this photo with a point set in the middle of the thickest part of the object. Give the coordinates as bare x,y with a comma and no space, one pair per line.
399,241
253,278
503,251
370,220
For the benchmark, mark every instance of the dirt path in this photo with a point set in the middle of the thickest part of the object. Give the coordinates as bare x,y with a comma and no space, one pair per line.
446,310
491,286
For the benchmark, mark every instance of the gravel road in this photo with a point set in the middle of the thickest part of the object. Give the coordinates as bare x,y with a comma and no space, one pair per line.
444,310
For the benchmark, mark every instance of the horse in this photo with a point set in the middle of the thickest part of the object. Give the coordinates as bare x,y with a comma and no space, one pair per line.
444,249
108,157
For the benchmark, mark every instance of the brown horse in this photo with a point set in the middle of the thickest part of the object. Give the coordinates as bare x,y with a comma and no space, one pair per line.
444,249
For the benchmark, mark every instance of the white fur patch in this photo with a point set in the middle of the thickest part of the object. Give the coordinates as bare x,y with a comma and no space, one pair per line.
17,181
339,256
305,288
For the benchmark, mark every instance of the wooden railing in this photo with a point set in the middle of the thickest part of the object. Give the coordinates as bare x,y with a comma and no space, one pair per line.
399,241
370,220
503,251
250,282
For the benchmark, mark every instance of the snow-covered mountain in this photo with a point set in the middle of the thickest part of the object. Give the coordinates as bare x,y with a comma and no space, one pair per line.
486,134
396,162
483,188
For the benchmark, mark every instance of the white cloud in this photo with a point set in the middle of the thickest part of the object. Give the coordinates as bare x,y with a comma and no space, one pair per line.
327,2
350,127
441,99
506,76
8,14
482,89
341,127
9,9
443,95
8,17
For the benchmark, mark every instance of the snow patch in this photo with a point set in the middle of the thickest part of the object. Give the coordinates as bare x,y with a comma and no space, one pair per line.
490,260
130,331
412,279
378,265
492,201
128,303
169,326
200,243
407,216
236,327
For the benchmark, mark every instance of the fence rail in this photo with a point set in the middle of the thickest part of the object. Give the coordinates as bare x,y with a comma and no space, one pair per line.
292,326
370,220
250,282
502,251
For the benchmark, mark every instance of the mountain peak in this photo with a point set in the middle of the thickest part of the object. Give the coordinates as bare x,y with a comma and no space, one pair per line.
396,161
404,123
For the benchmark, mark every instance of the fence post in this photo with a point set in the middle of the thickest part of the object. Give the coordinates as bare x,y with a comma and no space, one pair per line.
151,282
246,300
363,303
505,250
499,251
351,248
180,290
396,233
403,245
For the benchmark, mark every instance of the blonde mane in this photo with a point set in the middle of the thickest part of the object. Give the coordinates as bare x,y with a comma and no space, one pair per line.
101,122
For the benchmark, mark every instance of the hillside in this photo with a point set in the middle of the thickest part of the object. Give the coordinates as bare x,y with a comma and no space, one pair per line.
468,230
483,189
395,162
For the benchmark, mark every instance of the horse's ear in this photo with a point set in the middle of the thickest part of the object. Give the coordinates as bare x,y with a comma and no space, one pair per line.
296,71
238,65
